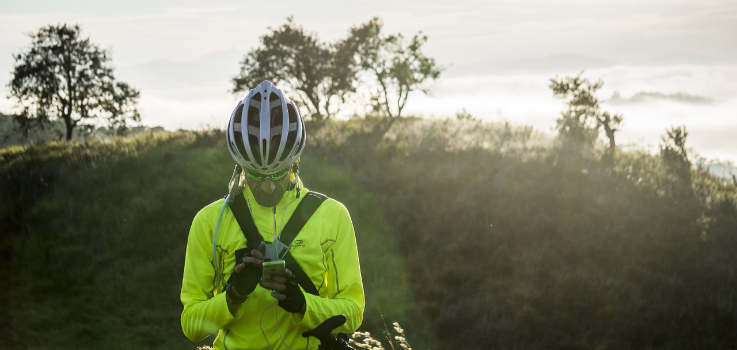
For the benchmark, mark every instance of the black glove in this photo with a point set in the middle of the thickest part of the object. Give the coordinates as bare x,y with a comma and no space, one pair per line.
243,282
295,300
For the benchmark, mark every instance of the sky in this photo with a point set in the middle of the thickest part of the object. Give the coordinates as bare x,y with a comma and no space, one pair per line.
497,55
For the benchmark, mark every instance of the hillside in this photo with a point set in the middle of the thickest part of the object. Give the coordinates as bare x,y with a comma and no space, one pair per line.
469,233
95,233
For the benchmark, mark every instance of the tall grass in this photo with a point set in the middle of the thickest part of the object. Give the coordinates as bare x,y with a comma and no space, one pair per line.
95,236
96,260
470,234
526,247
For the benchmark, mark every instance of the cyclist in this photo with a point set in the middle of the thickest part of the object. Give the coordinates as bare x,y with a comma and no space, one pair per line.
223,288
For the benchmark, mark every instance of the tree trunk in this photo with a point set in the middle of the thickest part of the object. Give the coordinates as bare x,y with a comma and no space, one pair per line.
315,100
70,127
612,145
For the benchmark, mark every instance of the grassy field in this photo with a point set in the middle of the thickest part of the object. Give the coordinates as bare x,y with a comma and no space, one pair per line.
94,238
471,235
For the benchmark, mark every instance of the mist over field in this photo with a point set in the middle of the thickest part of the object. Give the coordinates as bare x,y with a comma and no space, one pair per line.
707,104
669,63
651,96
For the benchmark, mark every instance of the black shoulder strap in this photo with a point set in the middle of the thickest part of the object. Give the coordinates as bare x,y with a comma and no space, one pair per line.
239,207
306,207
304,211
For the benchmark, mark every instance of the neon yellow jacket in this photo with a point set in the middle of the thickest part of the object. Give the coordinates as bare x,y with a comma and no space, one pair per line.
325,249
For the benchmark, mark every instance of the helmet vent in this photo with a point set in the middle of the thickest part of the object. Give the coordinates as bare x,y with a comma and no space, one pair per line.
253,145
292,133
274,148
263,150
252,118
238,116
238,132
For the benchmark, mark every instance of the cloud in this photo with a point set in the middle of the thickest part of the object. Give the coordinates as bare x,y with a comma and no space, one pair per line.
646,96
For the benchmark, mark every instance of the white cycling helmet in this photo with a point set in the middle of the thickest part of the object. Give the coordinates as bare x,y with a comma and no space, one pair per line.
266,133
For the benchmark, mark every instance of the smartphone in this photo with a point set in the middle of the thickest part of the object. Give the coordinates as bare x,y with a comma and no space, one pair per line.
274,268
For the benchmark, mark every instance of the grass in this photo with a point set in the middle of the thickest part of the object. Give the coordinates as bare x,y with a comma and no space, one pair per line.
512,244
469,233
102,244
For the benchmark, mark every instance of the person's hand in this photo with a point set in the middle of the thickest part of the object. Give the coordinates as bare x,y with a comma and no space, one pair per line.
286,291
246,276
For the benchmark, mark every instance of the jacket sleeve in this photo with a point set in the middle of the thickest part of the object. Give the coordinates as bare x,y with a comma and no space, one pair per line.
345,287
205,312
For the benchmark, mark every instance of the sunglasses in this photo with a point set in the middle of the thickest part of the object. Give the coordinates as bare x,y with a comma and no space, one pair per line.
256,176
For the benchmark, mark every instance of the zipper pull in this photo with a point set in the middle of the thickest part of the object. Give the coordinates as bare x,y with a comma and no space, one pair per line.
273,220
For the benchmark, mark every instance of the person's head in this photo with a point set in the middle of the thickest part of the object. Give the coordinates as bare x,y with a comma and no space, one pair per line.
265,137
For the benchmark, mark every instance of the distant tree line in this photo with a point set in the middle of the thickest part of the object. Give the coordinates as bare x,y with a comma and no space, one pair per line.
63,76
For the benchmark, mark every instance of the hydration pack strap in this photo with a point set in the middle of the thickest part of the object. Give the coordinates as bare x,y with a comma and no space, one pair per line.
306,207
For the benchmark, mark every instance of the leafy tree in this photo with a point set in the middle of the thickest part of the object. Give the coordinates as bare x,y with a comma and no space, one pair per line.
579,125
396,63
321,74
122,107
63,75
